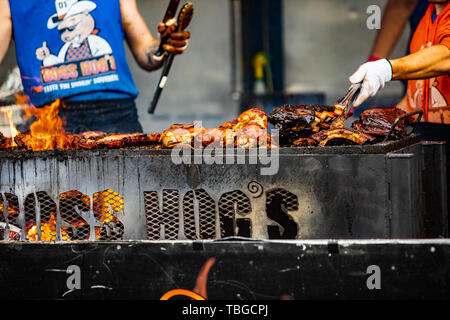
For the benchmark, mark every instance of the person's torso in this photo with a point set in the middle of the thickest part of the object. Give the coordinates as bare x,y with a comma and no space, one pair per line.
430,95
71,49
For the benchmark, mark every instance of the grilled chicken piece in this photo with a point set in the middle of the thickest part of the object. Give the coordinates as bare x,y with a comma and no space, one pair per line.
179,134
115,141
93,135
379,121
251,116
242,131
216,137
87,139
326,136
251,136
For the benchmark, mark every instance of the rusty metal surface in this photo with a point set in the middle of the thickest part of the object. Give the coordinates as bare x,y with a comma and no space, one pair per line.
312,196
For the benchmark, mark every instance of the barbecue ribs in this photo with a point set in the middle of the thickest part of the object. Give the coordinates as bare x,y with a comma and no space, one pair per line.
337,136
301,121
378,122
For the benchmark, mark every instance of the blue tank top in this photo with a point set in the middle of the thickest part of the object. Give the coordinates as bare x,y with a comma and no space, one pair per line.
71,49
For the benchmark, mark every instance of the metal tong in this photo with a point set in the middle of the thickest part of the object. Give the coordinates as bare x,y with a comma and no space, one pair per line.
347,101
345,104
397,121
184,19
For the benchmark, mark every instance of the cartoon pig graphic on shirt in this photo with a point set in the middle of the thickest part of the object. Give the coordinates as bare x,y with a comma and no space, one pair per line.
77,28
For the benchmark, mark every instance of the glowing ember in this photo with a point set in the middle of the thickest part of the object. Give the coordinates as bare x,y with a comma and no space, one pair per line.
13,235
103,203
105,200
48,231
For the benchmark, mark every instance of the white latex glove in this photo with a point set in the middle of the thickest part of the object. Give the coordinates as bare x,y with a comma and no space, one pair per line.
374,76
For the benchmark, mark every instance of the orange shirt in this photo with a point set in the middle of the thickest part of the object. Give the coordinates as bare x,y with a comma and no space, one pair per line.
431,95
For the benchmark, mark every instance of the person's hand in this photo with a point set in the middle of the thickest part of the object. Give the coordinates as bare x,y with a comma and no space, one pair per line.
42,52
177,41
373,76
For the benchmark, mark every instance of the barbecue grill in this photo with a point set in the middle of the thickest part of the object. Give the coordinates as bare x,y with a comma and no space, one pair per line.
353,191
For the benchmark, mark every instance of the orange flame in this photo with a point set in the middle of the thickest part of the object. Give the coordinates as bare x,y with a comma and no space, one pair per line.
199,292
12,128
47,132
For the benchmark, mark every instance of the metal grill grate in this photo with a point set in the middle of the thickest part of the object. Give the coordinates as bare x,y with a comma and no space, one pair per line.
41,210
68,219
278,204
9,229
199,204
71,205
232,205
107,205
287,199
162,225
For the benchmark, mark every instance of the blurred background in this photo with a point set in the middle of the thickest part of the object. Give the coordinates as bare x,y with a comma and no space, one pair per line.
264,53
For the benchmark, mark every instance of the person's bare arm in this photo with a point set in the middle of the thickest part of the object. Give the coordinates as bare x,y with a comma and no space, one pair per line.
395,18
5,28
138,36
424,64
429,62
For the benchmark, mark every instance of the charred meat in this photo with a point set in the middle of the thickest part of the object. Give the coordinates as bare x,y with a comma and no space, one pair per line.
301,121
341,136
302,117
378,122
3,140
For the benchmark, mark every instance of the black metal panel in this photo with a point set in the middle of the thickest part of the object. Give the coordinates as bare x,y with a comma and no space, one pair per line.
436,190
238,269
